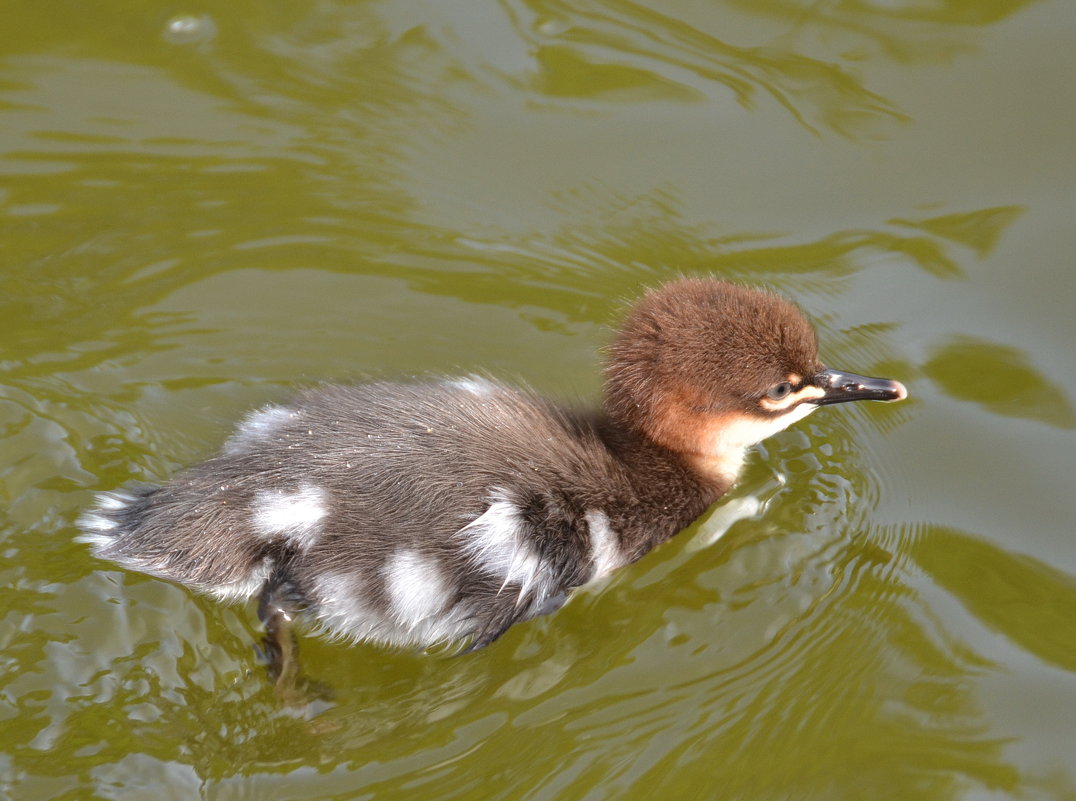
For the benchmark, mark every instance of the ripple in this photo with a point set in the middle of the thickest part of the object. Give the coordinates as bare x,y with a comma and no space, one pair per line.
598,52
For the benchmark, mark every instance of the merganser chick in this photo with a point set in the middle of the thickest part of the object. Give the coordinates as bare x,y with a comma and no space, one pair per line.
413,514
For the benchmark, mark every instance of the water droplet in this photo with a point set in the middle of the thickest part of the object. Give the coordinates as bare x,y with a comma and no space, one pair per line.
185,29
550,27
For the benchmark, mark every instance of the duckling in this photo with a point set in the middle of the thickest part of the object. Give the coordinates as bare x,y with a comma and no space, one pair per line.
444,511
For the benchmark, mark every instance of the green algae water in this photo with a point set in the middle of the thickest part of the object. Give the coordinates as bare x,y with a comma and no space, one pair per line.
204,208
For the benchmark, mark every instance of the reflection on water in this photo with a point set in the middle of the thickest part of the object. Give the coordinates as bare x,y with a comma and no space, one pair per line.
950,12
1014,594
979,230
894,27
603,49
1001,379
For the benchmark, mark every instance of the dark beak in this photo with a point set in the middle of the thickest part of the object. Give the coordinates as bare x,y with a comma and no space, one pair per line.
840,386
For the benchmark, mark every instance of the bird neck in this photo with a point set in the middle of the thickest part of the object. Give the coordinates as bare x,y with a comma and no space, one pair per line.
675,487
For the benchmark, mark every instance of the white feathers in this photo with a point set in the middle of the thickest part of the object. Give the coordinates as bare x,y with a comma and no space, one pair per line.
342,611
725,446
474,384
94,522
96,540
496,543
114,534
742,432
605,550
114,501
243,588
415,587
257,426
99,527
344,608
295,515
793,416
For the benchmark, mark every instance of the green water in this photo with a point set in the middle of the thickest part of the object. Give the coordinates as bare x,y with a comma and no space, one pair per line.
204,207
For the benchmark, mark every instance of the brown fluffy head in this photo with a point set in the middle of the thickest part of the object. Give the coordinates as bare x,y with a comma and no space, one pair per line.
698,354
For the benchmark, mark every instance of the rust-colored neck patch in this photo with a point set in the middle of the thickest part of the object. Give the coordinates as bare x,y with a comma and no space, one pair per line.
715,441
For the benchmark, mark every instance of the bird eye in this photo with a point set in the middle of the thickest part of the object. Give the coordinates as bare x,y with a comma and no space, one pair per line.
779,391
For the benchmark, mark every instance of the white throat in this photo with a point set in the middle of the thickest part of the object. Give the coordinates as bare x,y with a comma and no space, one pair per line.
725,448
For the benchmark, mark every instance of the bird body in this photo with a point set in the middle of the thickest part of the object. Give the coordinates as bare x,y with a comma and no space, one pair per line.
416,513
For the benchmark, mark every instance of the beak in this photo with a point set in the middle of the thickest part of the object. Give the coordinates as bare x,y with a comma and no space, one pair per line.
840,386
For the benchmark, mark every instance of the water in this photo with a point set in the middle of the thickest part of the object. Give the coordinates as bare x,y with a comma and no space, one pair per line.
203,208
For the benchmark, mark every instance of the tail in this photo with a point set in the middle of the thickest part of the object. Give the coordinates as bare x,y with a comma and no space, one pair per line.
141,529
116,512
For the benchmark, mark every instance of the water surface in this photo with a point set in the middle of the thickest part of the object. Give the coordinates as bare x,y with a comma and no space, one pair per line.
203,208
